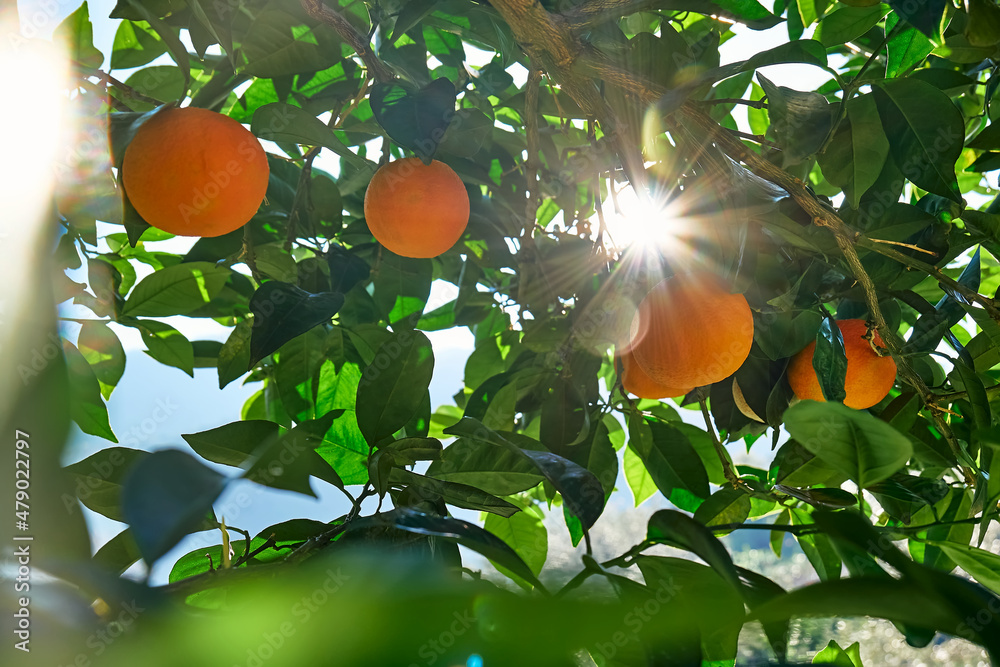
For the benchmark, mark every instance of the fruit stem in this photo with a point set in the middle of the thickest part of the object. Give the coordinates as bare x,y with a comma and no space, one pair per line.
727,468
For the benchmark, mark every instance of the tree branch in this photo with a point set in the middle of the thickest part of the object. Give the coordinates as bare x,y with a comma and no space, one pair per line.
550,41
316,9
592,13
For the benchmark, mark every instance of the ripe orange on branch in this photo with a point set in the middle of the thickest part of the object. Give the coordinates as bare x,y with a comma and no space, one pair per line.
869,376
636,382
689,331
195,172
416,210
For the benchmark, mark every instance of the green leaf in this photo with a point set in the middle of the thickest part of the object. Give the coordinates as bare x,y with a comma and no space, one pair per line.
490,467
681,531
233,443
347,269
467,133
464,533
794,465
279,43
525,533
216,18
234,357
982,565
901,496
393,384
402,286
415,118
820,497
77,32
286,123
671,461
907,47
134,46
639,480
931,326
694,584
166,33
288,461
830,360
725,506
834,655
176,290
854,159
119,553
282,311
864,448
924,16
581,490
879,597
800,121
459,495
166,496
167,345
98,479
848,23
100,346
86,403
926,133
198,561
343,447
163,83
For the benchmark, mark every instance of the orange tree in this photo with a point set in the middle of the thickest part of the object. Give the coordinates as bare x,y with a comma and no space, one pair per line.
866,199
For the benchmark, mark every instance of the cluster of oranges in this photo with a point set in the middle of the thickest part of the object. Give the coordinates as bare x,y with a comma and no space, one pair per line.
690,331
195,172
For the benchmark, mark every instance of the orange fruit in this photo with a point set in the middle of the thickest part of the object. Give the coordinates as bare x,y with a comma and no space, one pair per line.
416,210
195,172
636,382
869,376
689,331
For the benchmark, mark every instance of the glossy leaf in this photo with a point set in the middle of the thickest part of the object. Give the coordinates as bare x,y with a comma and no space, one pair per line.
87,406
233,443
830,360
282,311
165,496
580,489
523,532
176,290
464,533
681,531
98,479
670,459
925,131
392,385
860,446
415,118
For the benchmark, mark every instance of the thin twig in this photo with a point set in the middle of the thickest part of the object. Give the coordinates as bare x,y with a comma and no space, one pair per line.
756,104
904,245
324,14
757,138
301,193
248,255
727,468
108,80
